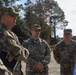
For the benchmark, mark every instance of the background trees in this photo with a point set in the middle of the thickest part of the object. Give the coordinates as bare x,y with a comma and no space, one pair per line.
47,13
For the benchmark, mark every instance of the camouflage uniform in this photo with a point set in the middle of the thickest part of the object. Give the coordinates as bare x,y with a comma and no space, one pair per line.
64,55
39,51
4,72
9,42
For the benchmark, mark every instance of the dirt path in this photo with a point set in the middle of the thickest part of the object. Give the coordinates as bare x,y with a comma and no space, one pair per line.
53,67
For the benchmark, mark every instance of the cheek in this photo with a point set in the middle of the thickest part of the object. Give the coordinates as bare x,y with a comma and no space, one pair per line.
34,33
68,37
8,20
12,20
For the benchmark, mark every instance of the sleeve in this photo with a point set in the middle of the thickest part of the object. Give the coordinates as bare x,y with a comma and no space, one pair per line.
56,54
9,43
47,57
29,60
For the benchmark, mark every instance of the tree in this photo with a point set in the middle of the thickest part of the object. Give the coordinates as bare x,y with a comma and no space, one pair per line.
7,2
36,13
39,12
21,30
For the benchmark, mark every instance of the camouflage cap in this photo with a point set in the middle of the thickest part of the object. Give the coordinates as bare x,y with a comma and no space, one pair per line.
35,26
8,10
67,31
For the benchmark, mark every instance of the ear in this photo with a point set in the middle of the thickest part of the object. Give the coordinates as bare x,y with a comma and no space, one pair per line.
3,19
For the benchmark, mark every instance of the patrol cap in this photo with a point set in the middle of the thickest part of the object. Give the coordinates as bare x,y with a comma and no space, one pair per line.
35,27
67,31
8,10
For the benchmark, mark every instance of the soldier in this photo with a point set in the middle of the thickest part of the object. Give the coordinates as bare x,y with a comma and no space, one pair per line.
63,53
8,40
39,53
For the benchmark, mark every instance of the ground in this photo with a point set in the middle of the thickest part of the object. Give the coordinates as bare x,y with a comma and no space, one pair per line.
53,67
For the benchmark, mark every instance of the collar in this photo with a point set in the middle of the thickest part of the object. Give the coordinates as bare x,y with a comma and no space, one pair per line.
36,41
70,44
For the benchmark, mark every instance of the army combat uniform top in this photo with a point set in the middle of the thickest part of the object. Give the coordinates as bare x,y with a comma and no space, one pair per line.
64,55
39,51
10,42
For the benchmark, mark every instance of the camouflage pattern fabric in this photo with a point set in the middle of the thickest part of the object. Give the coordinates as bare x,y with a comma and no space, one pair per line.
39,51
34,73
64,55
10,42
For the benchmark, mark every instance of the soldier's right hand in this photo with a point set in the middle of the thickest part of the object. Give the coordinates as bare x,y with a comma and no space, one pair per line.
39,66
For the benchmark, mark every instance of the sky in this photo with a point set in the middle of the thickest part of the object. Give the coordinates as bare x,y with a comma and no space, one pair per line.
69,8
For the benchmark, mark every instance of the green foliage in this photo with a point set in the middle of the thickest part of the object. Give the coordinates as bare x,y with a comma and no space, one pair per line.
37,13
34,13
7,2
46,33
21,30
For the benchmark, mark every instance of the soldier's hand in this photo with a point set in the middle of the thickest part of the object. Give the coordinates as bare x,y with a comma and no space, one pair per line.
9,57
39,66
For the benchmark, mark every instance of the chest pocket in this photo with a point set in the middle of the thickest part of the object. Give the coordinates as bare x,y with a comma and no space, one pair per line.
38,48
66,52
